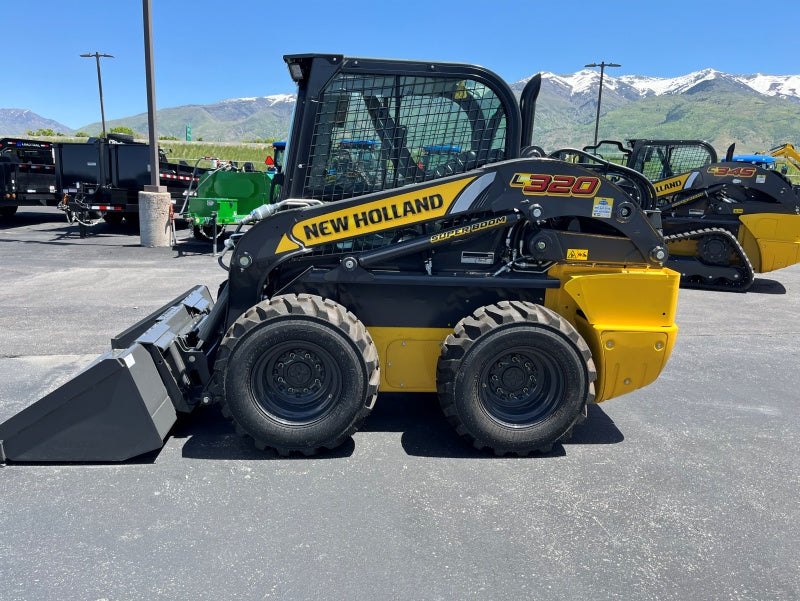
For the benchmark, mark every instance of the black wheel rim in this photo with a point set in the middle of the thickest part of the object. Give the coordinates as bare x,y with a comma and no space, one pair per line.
521,387
296,382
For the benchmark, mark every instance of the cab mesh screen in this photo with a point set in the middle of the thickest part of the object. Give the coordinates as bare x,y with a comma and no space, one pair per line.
375,132
665,161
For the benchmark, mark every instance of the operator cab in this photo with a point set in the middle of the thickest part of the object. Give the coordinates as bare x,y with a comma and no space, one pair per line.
371,132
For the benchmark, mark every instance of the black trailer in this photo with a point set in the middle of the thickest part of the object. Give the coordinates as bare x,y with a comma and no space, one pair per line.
27,174
100,178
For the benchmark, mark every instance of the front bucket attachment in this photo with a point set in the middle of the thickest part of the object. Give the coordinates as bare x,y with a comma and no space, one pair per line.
123,404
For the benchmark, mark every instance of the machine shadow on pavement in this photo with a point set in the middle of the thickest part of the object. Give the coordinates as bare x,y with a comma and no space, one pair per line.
425,433
767,286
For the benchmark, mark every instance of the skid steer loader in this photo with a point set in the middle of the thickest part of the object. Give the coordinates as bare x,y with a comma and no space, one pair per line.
518,288
723,221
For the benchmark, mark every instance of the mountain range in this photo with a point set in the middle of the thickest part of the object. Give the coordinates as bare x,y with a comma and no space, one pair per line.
755,111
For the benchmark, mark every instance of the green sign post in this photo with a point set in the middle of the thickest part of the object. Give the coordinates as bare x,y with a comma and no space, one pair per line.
188,133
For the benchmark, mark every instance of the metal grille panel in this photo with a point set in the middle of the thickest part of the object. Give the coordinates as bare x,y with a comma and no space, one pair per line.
375,132
666,161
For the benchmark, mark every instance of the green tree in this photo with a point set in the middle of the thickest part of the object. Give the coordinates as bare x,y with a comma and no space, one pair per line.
121,129
44,132
81,134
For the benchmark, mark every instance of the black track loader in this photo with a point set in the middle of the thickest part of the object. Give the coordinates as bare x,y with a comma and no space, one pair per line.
723,221
518,288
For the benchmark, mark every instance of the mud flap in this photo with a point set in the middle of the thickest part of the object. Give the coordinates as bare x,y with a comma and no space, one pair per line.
124,403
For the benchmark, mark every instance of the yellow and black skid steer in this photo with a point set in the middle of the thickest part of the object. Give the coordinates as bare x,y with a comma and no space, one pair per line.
518,288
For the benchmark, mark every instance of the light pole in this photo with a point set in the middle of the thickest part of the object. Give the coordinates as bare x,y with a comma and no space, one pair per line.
97,57
602,66
150,80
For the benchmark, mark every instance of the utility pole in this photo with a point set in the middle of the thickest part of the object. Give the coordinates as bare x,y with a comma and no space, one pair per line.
151,94
97,56
602,66
156,220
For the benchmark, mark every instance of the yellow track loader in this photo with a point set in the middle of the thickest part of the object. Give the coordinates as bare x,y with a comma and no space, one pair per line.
723,221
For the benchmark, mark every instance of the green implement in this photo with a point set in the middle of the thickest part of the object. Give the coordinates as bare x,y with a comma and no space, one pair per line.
224,197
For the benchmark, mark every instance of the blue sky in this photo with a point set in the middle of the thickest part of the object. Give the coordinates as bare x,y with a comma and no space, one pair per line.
208,51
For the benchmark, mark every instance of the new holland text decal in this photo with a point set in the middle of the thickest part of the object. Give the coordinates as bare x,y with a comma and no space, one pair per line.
543,184
670,185
387,213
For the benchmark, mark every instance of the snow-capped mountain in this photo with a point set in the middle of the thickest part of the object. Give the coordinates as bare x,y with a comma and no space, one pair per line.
640,86
754,110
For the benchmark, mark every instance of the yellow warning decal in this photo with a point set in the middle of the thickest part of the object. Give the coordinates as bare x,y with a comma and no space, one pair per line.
577,254
376,216
738,211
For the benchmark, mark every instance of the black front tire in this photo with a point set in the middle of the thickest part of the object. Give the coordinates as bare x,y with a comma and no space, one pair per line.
8,212
515,377
300,373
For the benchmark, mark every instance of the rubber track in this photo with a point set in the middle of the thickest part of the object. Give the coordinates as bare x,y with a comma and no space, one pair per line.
307,305
466,333
721,283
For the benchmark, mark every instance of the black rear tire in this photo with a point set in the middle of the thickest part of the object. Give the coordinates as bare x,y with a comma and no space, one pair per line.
8,212
515,377
300,373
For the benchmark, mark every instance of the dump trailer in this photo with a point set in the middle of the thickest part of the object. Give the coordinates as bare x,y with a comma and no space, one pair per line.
98,178
723,221
519,289
27,174
103,178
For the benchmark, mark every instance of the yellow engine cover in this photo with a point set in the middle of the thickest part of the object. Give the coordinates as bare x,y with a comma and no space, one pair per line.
626,316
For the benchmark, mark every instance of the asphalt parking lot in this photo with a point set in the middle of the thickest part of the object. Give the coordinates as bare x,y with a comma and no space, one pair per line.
687,489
